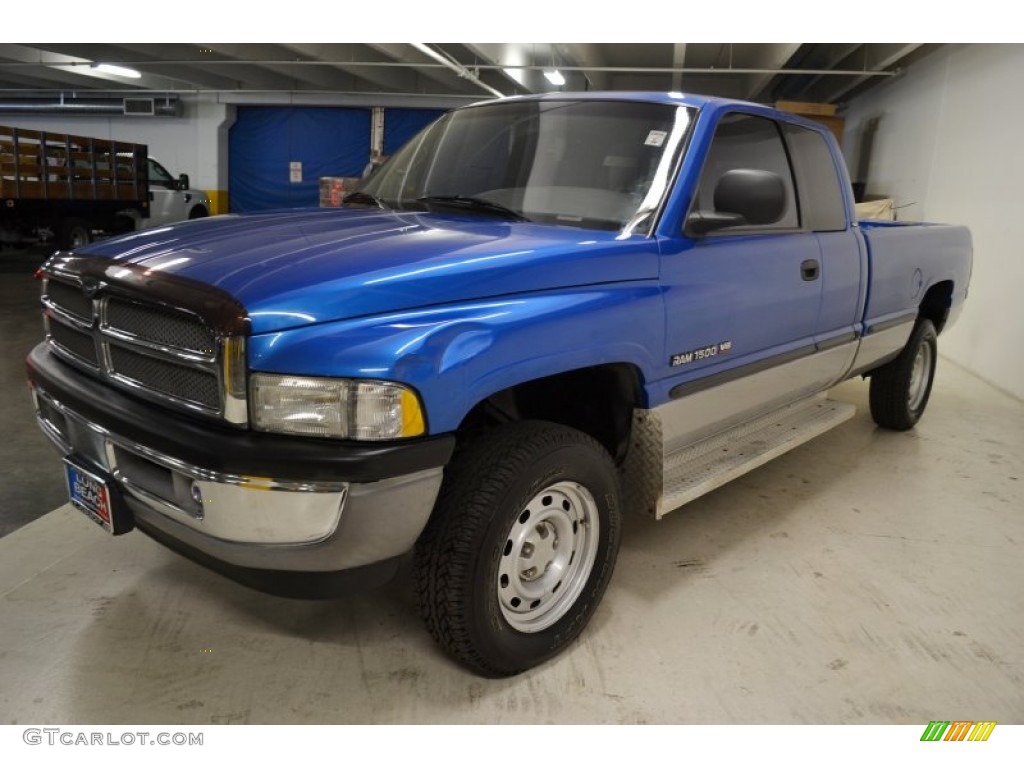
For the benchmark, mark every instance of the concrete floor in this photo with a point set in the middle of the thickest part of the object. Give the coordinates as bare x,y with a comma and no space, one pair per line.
32,483
867,577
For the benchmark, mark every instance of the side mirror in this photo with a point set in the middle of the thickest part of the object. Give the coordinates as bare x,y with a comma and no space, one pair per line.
183,182
743,197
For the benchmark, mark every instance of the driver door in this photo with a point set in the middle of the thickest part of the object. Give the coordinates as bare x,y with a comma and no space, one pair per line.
741,302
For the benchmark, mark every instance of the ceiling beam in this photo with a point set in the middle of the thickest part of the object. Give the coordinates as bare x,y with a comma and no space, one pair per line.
422,65
155,76
678,62
67,71
509,56
438,54
878,57
335,54
188,64
303,77
470,70
775,56
837,54
590,55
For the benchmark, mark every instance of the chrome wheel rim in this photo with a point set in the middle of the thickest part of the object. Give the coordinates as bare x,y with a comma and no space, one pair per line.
919,376
548,555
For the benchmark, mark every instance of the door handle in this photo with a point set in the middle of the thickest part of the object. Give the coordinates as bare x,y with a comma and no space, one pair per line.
810,269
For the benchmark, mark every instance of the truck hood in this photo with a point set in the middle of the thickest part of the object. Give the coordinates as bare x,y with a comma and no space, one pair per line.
299,267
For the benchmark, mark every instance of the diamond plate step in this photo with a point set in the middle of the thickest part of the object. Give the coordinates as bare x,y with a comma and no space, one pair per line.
700,468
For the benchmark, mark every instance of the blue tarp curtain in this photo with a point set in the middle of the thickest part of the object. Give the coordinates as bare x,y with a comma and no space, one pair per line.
400,125
328,141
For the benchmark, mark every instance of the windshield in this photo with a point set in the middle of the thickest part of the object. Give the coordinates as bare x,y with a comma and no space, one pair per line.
590,164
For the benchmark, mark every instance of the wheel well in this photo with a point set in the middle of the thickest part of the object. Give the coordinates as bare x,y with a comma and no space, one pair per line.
598,401
936,303
122,223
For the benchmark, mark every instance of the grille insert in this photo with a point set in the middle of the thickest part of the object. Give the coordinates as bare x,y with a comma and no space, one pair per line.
159,325
70,299
171,379
74,342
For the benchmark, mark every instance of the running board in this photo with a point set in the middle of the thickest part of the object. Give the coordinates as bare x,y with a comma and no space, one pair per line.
699,468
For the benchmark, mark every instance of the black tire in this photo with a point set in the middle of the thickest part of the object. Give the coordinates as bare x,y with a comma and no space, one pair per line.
73,233
900,389
465,553
199,212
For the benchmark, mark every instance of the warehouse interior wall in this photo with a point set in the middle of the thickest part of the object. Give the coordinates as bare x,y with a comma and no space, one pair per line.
194,142
944,141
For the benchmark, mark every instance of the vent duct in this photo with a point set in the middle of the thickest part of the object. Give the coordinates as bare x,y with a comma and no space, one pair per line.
139,107
160,106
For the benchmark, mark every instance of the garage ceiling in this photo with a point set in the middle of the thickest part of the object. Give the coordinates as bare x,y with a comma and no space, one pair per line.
756,71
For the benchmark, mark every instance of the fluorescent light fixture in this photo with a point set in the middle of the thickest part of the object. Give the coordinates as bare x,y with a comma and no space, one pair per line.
113,69
554,77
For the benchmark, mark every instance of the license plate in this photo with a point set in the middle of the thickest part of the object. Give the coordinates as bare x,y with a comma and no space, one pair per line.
94,495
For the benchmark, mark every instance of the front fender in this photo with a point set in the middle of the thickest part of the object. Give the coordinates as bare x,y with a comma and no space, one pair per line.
459,354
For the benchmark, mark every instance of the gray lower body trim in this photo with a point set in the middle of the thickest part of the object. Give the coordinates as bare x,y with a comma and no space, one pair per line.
662,432
733,401
881,346
380,521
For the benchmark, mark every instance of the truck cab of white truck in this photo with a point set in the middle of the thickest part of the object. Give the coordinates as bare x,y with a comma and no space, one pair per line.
172,199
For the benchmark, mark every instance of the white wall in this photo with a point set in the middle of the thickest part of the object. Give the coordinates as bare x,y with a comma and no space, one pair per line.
194,143
950,146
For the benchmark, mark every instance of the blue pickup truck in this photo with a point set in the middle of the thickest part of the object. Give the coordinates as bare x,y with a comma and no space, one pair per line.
540,312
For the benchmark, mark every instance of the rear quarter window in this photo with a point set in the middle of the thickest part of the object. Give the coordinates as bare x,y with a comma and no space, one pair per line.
818,183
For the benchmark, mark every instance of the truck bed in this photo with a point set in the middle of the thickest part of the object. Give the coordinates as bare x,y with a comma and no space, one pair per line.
45,166
906,258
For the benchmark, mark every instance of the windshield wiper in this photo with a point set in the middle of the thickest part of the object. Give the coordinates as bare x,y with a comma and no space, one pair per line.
362,198
473,203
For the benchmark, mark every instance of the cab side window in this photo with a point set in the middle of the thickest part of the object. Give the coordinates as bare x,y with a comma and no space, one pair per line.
821,193
157,175
747,142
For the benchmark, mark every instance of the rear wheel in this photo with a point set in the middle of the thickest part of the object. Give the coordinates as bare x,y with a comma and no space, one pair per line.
900,389
198,213
521,546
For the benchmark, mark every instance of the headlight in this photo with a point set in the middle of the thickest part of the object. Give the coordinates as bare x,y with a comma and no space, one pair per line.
342,408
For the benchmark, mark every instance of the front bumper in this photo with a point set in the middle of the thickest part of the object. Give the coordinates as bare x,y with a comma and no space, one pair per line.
241,502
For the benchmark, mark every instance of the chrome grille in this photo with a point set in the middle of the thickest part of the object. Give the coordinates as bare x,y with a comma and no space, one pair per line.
74,341
158,325
152,350
70,299
172,379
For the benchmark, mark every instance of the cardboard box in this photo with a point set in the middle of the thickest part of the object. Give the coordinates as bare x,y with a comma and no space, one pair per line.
819,113
334,188
807,108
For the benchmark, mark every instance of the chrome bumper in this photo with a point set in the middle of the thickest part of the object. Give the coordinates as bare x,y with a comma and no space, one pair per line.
248,521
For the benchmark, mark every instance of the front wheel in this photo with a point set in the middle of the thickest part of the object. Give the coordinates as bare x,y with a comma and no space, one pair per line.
521,546
900,389
73,233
